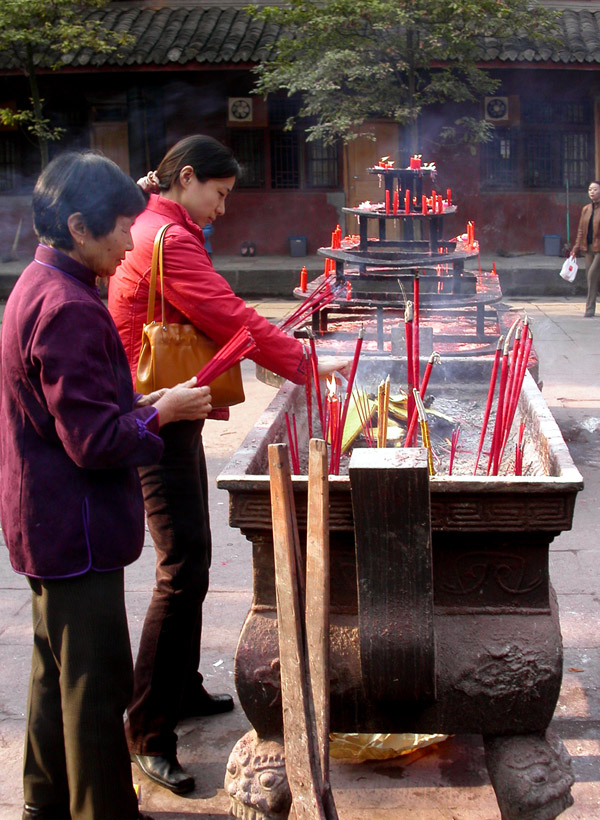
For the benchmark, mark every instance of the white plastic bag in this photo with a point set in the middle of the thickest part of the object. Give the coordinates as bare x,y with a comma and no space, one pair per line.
569,269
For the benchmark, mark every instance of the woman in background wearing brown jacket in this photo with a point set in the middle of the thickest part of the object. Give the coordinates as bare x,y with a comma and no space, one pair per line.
588,242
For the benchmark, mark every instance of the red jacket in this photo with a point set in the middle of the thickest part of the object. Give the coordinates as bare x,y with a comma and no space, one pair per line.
194,292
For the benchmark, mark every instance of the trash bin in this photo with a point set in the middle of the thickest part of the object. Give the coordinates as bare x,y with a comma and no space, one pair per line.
297,245
551,244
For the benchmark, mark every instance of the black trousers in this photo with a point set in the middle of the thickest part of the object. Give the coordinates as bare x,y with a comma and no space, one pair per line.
76,754
176,502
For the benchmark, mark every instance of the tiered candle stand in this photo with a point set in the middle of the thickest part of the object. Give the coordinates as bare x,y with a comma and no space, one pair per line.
378,272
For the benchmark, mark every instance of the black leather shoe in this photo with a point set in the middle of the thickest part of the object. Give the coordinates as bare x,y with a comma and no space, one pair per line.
204,705
56,812
166,771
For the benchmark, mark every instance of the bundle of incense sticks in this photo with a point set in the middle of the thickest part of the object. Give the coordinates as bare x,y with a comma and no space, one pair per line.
416,333
423,424
336,455
363,408
314,363
519,451
292,435
410,382
332,423
453,447
383,409
240,345
308,391
435,358
490,398
512,367
322,295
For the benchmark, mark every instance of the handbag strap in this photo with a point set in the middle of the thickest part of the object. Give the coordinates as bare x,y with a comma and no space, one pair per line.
157,267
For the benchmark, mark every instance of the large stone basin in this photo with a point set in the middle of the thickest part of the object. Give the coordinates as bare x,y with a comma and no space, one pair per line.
451,624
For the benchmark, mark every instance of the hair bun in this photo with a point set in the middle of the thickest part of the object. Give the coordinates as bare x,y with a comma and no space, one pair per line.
150,183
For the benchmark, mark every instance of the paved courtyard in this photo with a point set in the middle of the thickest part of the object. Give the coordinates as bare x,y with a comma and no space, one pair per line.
446,782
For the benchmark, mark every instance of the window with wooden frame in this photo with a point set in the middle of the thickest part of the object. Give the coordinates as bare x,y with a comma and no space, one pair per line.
552,145
281,159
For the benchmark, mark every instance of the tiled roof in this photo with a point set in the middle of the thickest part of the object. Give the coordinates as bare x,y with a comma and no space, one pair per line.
184,32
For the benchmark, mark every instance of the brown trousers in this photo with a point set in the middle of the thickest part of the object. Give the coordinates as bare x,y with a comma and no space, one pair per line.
592,272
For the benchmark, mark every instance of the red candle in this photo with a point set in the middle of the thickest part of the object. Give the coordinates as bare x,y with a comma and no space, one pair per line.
348,290
303,279
396,197
424,204
440,204
415,163
407,202
387,202
449,196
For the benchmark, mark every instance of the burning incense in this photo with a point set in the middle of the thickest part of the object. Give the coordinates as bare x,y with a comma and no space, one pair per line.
383,409
519,451
410,382
349,386
308,390
315,373
416,332
488,404
365,413
433,359
333,415
453,446
493,461
424,425
319,298
240,345
293,444
512,409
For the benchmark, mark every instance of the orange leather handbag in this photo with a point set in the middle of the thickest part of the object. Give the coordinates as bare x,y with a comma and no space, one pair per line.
173,353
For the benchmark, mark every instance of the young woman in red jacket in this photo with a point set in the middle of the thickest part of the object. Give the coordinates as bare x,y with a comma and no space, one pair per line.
188,190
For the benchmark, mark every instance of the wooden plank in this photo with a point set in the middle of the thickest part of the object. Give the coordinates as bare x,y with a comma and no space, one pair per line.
302,759
390,500
317,607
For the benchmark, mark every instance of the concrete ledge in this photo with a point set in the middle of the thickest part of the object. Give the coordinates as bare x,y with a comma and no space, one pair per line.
277,276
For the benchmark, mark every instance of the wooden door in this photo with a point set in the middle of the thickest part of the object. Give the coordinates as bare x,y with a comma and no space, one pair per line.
361,154
112,138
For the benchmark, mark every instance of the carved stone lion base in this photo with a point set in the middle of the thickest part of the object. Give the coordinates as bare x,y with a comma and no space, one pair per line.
531,775
256,780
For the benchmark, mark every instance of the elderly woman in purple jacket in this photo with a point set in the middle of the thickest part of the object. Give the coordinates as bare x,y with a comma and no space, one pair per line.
72,434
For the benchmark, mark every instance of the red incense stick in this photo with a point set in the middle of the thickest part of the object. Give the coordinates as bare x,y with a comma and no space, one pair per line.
410,383
308,391
349,386
240,345
416,332
433,359
519,385
490,396
315,371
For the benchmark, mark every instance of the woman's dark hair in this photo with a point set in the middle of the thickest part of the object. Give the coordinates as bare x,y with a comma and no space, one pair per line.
86,183
209,158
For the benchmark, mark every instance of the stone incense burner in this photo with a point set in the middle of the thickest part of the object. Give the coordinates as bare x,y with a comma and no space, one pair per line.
443,617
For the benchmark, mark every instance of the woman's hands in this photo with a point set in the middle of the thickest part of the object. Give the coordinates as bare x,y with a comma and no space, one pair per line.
333,364
184,402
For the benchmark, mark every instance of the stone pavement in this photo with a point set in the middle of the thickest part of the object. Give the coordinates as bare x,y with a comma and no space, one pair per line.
445,782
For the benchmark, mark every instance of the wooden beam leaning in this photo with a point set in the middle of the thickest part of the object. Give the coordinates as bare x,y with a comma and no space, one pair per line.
392,527
305,733
316,616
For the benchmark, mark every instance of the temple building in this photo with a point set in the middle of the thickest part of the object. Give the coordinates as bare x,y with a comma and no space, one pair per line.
189,70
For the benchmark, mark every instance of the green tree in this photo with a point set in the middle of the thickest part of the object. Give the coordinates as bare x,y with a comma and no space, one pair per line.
351,61
45,33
